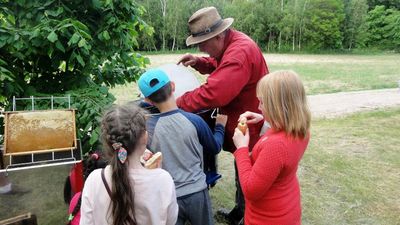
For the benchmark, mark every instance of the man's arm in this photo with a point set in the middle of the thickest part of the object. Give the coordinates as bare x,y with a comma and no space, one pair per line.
205,65
222,86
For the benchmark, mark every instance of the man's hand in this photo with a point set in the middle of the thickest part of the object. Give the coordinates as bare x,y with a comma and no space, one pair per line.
251,117
188,60
221,119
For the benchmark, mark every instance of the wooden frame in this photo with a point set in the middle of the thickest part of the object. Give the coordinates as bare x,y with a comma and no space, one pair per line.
28,132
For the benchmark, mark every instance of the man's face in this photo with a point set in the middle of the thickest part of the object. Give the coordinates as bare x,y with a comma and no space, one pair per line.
213,47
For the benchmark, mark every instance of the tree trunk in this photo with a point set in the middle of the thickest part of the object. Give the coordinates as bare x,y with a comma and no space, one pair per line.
294,26
301,24
164,12
269,41
280,32
174,39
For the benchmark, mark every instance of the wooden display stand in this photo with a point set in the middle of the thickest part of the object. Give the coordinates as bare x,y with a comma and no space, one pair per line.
39,138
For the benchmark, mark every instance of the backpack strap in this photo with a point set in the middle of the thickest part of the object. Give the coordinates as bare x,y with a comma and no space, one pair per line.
105,183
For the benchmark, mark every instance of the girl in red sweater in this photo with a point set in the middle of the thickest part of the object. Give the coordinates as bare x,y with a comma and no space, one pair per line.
267,174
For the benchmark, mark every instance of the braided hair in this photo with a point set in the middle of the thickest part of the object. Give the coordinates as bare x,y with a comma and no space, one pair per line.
122,125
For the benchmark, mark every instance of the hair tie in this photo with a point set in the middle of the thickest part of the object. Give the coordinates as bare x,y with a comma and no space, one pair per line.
122,153
95,156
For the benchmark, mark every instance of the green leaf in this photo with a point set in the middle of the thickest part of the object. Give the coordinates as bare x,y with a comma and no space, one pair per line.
103,90
82,43
111,20
106,35
60,46
146,60
96,4
80,60
62,66
80,25
34,34
94,137
54,13
52,37
74,39
50,52
89,125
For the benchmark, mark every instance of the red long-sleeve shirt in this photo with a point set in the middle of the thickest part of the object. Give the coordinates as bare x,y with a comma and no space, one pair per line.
268,179
231,85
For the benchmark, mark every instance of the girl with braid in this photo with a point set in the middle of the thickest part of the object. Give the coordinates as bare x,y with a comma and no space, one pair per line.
126,193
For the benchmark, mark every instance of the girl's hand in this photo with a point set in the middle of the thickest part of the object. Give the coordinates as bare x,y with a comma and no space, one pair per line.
241,140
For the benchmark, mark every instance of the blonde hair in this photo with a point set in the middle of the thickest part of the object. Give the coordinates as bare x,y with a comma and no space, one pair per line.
285,103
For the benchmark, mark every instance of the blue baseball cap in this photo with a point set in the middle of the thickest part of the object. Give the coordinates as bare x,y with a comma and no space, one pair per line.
151,81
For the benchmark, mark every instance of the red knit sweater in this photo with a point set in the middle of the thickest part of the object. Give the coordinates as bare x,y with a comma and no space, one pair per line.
231,85
268,179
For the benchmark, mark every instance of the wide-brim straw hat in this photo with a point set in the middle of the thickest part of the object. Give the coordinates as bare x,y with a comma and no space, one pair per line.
205,24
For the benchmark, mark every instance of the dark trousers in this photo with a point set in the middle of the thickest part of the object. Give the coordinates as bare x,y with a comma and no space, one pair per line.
238,212
195,208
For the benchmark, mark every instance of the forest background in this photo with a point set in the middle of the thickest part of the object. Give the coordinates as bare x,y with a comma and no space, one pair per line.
284,25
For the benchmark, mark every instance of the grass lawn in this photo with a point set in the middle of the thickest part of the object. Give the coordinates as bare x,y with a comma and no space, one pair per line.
354,74
320,73
350,174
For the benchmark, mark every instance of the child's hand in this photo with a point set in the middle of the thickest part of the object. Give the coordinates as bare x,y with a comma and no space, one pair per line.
251,117
241,140
221,119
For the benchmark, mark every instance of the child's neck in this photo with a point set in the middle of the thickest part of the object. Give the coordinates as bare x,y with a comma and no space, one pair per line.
167,106
134,158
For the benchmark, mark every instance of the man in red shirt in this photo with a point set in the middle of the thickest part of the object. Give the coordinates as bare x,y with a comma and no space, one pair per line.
235,65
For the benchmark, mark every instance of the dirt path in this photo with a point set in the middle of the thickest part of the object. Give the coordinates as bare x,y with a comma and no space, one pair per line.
343,103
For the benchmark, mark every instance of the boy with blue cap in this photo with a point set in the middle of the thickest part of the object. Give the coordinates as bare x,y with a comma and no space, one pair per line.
181,137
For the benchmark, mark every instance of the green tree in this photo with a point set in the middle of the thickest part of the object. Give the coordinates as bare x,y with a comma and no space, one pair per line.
323,25
245,15
384,28
387,3
78,47
355,26
169,19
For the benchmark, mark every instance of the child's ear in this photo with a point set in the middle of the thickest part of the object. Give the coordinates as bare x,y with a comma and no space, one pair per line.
172,86
148,101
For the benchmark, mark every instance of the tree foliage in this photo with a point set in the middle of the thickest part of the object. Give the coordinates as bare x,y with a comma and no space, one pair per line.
324,19
284,25
384,27
51,47
355,26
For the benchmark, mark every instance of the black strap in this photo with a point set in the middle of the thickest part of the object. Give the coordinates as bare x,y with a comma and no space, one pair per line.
105,183
209,29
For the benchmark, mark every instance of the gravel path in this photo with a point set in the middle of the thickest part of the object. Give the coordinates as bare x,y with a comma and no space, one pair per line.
343,103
